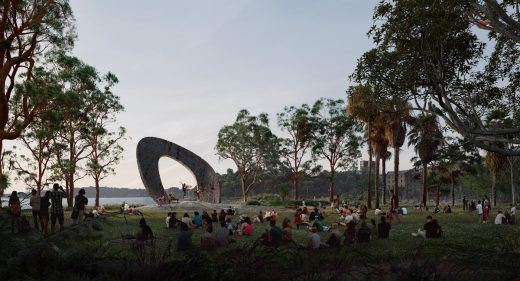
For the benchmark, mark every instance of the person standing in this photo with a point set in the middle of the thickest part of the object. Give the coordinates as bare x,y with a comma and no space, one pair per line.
80,201
486,210
16,210
34,202
44,212
513,214
479,212
464,203
57,195
393,200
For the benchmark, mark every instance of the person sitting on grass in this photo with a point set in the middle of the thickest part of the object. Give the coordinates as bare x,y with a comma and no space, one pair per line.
214,216
373,228
208,241
184,238
222,235
500,218
144,233
275,234
383,228
168,216
246,226
446,209
197,219
186,219
363,234
222,215
334,240
231,226
259,218
206,219
173,222
431,229
350,233
314,241
287,230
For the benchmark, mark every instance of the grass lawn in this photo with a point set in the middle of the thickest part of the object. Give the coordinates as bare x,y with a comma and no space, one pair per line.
466,249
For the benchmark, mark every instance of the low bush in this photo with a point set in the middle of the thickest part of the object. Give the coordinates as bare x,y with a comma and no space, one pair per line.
253,203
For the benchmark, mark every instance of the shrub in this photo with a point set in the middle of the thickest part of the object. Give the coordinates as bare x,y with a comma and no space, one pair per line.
253,203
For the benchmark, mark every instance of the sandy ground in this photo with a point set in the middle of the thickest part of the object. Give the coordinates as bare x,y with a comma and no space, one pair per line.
205,206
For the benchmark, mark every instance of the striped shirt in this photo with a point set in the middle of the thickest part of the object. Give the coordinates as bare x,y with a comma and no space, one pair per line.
56,199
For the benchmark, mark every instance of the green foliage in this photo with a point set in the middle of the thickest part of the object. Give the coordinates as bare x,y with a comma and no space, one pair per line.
337,136
298,123
251,145
253,203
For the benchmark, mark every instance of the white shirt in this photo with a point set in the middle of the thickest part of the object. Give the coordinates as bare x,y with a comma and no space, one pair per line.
513,211
187,221
498,219
168,221
315,241
479,209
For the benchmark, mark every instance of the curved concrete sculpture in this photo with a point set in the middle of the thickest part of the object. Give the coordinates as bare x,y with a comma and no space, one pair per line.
150,150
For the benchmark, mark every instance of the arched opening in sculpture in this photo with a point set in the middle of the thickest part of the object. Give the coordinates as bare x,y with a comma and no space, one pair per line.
174,174
150,150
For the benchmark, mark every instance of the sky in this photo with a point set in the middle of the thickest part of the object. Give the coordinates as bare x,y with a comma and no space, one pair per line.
187,67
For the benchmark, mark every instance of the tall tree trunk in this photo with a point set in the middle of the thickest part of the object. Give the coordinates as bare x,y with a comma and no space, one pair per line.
425,189
494,189
438,196
396,175
383,188
96,180
70,196
331,184
452,178
376,182
243,182
1,171
369,187
511,171
296,185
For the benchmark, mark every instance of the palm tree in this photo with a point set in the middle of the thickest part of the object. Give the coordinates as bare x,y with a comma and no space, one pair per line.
426,137
361,105
387,155
379,146
395,132
494,162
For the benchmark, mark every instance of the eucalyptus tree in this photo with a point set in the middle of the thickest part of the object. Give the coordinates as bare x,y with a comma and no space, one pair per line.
83,104
337,137
28,29
428,53
251,145
426,137
454,159
499,17
298,124
104,141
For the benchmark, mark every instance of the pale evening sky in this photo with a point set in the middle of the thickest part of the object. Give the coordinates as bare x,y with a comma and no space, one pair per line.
187,67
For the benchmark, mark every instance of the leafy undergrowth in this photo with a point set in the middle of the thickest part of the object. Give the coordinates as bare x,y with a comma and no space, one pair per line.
94,251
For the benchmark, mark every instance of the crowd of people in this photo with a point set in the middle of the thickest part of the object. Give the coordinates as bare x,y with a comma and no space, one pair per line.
49,208
347,225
